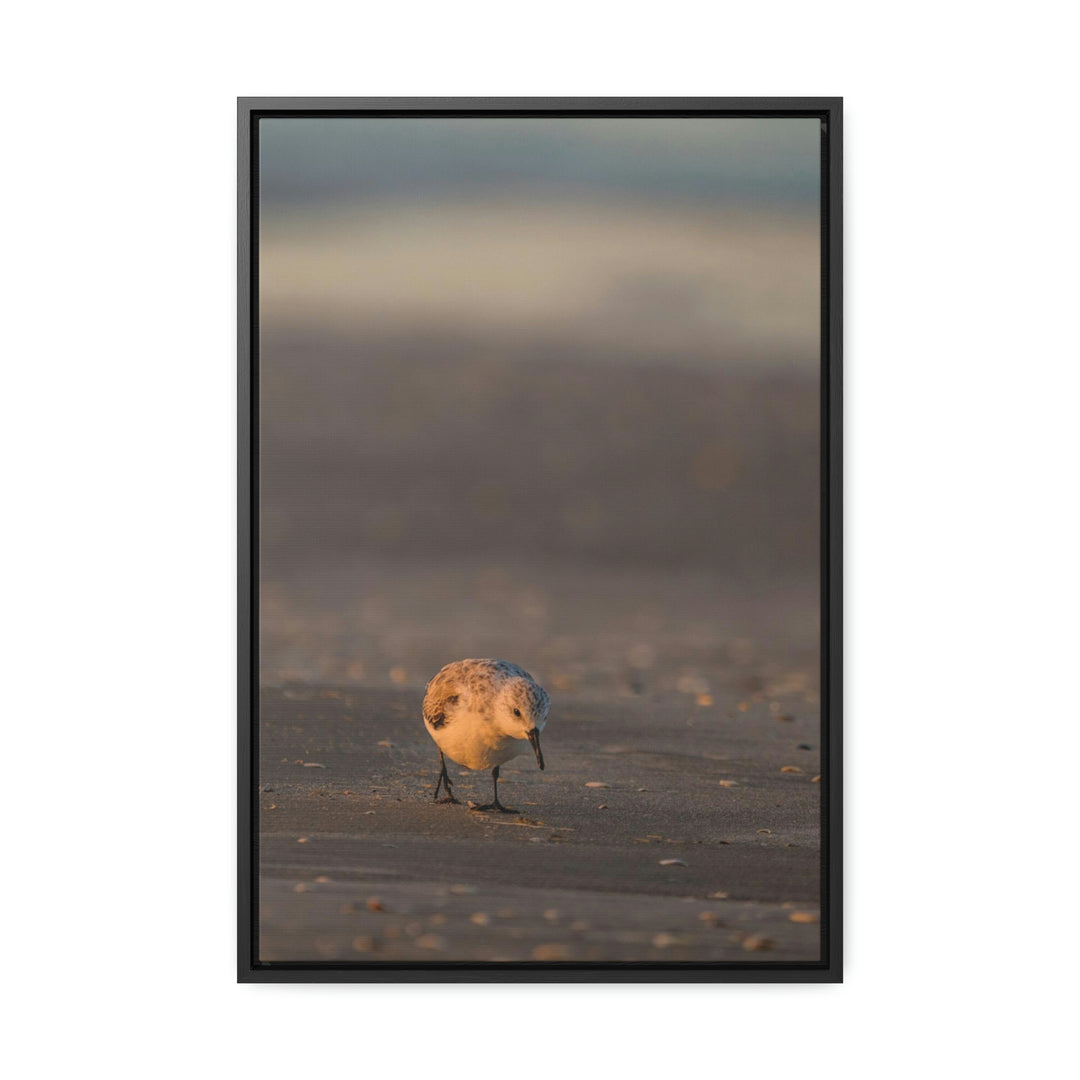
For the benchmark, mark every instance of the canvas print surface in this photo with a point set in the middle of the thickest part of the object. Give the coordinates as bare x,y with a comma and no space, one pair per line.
539,567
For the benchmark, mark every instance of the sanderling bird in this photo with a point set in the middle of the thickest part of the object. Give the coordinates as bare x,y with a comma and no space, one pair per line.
481,713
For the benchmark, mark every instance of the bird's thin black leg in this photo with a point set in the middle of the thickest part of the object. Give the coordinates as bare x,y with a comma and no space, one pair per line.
444,781
495,805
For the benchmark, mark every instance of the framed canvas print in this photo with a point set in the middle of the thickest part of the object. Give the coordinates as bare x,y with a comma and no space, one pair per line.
539,550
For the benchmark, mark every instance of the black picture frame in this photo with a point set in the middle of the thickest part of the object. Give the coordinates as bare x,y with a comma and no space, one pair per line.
829,969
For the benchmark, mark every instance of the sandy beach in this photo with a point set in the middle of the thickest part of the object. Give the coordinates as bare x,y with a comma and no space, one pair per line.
644,542
657,832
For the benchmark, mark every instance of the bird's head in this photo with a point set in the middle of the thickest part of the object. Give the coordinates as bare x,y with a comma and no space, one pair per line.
522,712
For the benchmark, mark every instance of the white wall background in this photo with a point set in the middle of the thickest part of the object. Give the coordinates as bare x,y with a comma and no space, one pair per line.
118,405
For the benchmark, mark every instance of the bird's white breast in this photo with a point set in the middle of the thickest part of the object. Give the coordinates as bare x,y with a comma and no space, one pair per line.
472,740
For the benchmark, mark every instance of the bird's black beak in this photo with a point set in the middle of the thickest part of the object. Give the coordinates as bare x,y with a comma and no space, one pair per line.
534,738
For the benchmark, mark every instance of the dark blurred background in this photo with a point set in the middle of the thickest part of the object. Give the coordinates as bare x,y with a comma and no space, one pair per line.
540,388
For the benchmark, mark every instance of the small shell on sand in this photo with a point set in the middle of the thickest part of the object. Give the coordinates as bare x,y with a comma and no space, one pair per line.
672,862
550,952
803,916
757,943
664,940
597,784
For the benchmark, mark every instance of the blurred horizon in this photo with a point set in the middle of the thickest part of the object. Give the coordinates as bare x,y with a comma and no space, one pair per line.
693,236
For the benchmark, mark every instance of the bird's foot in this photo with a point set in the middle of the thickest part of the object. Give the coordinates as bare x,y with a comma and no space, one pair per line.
448,799
496,805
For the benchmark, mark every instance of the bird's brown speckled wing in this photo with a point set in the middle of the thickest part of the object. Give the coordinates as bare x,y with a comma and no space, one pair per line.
439,699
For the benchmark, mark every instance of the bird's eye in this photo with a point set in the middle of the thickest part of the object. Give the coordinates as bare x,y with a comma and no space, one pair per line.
517,712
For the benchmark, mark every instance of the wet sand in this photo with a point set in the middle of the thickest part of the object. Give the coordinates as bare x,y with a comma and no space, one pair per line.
358,864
